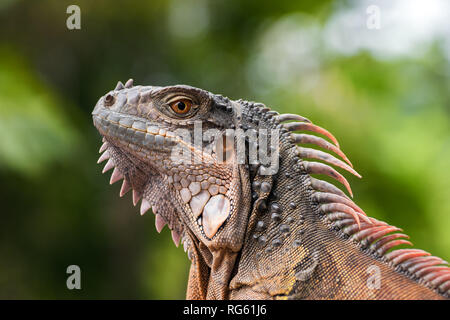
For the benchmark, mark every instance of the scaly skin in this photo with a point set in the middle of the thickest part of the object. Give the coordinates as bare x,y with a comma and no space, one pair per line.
252,232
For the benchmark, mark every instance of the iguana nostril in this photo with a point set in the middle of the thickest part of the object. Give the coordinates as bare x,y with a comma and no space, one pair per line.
109,99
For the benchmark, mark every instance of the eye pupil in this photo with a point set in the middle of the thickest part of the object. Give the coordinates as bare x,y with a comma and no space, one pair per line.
181,107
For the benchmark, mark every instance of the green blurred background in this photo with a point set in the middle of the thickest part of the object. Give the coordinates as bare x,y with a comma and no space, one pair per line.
384,93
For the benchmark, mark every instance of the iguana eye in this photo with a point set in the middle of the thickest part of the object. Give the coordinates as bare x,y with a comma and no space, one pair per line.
181,106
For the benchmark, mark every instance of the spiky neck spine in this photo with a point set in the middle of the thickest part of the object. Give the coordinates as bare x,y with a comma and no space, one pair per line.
306,239
276,228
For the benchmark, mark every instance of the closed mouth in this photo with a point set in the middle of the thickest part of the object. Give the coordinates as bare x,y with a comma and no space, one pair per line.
133,130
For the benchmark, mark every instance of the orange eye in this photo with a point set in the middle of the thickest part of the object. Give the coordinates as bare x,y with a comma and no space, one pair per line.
181,106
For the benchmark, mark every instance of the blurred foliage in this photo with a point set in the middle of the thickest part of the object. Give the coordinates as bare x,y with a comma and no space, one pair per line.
391,116
32,127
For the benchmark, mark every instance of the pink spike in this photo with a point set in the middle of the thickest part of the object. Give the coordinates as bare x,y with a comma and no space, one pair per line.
159,223
136,197
345,222
389,245
429,273
441,279
427,270
125,188
291,116
384,231
145,205
103,147
396,253
337,216
310,139
445,287
116,176
355,227
103,157
431,261
324,197
420,264
308,153
384,240
320,168
109,165
324,186
339,207
300,126
365,233
405,256
176,238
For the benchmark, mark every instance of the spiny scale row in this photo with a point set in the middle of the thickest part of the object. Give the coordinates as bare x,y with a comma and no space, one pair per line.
379,238
127,85
160,222
330,198
344,214
330,203
303,124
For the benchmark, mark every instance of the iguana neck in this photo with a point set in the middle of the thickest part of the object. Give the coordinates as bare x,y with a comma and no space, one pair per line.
282,213
292,251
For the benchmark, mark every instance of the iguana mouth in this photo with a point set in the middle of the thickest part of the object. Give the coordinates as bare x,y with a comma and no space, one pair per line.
135,131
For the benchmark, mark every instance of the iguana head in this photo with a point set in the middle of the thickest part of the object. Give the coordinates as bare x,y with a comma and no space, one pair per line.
169,145
194,157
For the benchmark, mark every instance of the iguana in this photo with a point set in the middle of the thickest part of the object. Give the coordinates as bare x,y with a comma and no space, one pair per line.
255,229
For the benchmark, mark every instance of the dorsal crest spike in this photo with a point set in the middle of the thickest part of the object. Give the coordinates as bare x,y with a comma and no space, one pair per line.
129,83
320,155
310,139
291,116
119,86
312,167
305,126
378,237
